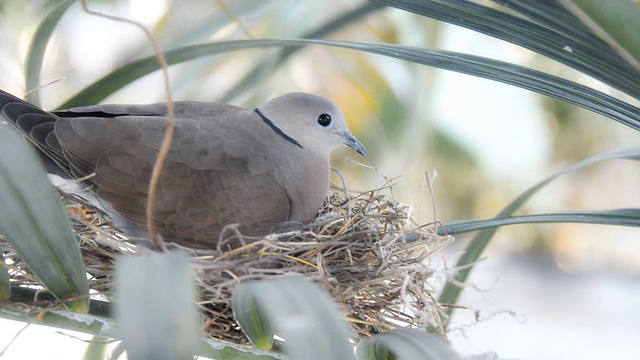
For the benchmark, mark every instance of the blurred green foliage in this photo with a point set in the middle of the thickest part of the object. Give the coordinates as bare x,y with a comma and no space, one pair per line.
386,100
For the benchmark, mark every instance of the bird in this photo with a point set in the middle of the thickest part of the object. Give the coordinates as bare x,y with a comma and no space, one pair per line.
259,170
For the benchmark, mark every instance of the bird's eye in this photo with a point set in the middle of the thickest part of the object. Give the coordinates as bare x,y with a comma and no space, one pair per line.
324,120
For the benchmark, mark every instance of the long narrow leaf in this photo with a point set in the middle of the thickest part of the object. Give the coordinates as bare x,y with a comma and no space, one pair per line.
298,311
24,295
203,28
5,281
99,322
36,224
97,348
619,217
256,74
527,34
405,344
473,251
35,53
617,22
156,308
254,321
550,15
89,324
214,349
468,64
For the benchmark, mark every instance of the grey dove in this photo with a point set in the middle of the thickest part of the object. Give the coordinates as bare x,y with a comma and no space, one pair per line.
262,169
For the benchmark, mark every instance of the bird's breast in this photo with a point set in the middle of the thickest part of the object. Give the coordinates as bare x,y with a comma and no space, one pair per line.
306,182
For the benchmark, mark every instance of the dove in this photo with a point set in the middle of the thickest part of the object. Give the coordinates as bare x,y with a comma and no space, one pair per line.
260,169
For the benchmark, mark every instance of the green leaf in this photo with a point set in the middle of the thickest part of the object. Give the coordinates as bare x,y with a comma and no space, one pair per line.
476,246
253,320
468,64
577,48
564,25
616,22
156,310
36,224
5,281
99,322
214,349
298,311
405,344
265,67
38,46
619,217
97,349
96,322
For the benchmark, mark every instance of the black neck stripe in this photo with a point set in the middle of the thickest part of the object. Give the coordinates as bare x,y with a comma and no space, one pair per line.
278,130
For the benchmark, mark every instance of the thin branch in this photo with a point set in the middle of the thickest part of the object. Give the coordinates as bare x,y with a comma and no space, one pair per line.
168,134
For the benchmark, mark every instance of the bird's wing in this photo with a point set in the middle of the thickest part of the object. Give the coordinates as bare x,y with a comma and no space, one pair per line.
217,172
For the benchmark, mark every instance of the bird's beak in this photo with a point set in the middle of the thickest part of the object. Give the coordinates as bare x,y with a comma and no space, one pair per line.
353,143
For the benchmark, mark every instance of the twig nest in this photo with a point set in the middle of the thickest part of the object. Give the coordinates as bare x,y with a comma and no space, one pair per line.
364,251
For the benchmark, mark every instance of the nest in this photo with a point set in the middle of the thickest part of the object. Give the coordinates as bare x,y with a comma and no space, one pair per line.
364,251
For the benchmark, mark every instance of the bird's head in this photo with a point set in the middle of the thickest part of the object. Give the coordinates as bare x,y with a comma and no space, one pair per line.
309,121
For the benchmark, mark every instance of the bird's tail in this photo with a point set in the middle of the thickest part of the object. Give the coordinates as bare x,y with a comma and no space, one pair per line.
38,126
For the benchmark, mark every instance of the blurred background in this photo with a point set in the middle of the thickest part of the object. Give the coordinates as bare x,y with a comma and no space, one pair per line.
543,292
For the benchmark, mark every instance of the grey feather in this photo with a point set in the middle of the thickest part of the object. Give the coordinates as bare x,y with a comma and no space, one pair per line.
226,165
